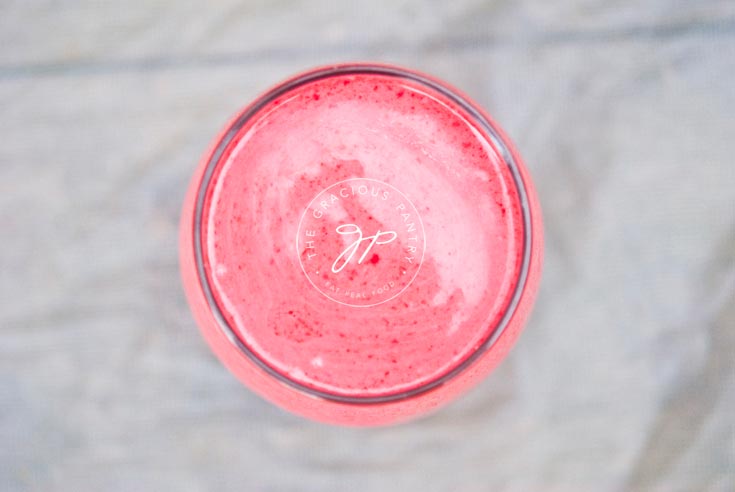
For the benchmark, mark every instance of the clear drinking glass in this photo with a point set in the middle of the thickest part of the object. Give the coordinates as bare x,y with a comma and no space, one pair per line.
361,244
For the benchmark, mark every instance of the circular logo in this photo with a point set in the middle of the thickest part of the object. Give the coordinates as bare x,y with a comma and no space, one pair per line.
360,242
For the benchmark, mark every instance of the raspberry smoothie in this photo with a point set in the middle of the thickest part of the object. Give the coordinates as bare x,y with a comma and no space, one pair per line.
361,245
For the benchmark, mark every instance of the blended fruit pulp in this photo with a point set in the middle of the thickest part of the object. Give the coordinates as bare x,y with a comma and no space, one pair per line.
362,235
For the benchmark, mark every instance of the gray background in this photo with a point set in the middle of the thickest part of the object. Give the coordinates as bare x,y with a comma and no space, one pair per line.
623,380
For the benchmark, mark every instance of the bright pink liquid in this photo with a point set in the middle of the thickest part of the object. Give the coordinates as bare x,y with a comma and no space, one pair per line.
361,156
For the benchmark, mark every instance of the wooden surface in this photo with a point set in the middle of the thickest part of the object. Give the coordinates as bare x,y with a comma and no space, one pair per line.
625,377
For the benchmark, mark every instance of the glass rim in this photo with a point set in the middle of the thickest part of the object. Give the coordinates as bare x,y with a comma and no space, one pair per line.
490,132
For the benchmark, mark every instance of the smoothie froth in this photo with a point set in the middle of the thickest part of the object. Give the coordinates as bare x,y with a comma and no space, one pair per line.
362,235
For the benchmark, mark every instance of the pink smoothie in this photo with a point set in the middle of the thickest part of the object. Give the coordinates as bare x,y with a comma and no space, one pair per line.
362,237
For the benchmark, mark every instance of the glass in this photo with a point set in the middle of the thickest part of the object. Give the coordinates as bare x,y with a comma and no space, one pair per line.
361,244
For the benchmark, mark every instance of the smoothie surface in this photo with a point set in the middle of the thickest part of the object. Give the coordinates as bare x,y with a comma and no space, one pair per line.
362,235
